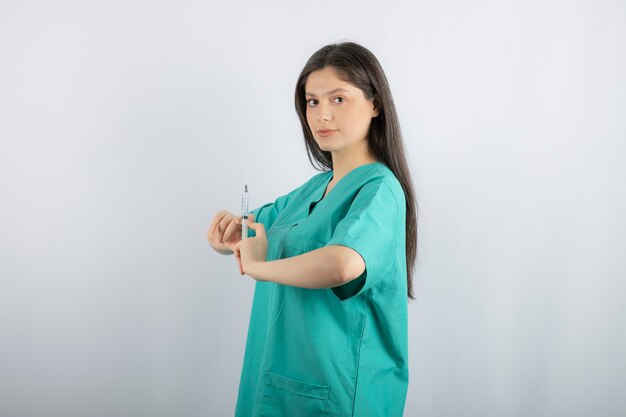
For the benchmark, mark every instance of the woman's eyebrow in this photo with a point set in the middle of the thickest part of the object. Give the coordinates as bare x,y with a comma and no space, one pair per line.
330,92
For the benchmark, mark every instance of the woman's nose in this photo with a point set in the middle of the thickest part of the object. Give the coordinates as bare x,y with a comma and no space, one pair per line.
323,114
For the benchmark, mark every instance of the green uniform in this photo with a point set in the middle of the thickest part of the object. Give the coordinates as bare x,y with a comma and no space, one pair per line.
340,351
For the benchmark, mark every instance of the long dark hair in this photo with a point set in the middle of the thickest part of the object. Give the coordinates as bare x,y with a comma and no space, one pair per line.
358,66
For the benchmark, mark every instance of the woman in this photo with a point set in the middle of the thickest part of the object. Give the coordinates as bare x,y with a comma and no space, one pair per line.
333,259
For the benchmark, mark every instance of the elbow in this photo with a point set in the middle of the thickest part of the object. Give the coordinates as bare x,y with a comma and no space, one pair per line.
350,265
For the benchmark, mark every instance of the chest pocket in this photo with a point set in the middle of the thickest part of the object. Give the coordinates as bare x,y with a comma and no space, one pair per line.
295,244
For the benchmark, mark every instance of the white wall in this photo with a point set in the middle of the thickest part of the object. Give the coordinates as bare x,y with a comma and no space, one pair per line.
124,127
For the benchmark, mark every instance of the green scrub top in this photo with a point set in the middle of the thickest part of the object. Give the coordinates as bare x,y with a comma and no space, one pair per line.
339,351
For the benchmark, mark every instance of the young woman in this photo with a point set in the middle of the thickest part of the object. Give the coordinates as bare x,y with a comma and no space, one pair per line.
333,259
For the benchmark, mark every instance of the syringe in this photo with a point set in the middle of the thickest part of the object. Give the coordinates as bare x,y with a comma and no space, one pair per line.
244,213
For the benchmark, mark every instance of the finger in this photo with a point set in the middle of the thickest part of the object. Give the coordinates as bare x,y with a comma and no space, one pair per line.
222,225
259,228
218,231
238,259
218,218
233,226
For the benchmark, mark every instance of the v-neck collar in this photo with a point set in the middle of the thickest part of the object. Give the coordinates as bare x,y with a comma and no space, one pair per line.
319,197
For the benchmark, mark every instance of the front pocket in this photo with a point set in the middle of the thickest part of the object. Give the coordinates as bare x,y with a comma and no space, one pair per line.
295,244
286,397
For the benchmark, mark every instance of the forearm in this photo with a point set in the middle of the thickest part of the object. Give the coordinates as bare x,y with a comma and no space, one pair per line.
322,268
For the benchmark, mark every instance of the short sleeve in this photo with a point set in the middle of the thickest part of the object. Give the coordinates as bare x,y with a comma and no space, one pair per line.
370,227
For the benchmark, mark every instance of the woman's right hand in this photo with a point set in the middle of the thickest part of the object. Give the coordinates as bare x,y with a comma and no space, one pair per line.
224,232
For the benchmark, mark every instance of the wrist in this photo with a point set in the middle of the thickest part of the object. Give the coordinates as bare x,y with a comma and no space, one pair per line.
255,270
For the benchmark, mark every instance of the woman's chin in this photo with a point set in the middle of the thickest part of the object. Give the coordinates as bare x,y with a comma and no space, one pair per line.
325,146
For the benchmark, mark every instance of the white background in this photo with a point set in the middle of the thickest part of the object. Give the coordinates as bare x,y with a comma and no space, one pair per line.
126,125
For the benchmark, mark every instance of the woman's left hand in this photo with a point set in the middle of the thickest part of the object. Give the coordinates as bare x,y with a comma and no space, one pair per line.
251,250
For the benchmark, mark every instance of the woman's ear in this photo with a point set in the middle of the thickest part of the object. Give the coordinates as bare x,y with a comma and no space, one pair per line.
376,107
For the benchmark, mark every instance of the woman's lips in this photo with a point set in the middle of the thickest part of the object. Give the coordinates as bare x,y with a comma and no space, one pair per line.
326,132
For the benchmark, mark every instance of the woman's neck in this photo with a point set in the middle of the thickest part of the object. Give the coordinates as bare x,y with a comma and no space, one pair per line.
346,161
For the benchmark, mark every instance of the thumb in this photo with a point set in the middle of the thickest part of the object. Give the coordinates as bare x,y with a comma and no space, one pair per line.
259,228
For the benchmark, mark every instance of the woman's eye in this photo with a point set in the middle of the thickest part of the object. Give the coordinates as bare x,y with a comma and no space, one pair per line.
313,102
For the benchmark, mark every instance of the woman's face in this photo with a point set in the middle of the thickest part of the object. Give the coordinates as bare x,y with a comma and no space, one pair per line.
339,107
